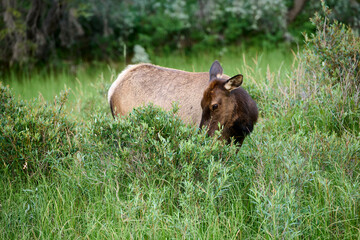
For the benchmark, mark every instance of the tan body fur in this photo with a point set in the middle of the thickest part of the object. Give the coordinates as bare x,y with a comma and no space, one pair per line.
146,83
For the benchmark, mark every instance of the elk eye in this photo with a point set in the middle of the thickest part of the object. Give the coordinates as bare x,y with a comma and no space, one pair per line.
215,106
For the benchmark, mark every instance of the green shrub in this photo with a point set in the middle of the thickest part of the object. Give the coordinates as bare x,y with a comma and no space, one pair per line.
334,49
35,136
152,148
155,140
331,87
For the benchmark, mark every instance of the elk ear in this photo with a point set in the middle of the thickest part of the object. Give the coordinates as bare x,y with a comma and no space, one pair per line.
215,71
233,82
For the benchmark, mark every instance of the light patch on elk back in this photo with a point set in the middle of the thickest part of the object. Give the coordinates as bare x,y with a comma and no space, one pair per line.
116,83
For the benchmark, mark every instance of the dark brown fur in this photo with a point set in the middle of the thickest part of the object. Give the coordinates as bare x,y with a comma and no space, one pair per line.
230,105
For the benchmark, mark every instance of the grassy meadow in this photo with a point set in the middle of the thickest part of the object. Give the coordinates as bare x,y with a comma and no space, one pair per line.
69,171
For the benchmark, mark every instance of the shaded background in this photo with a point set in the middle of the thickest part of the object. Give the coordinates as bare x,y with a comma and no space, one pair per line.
38,31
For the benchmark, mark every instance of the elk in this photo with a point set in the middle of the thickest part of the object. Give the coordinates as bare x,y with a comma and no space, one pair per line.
201,102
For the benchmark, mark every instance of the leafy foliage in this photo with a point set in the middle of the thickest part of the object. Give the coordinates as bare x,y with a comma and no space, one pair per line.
151,142
36,31
336,47
332,64
35,136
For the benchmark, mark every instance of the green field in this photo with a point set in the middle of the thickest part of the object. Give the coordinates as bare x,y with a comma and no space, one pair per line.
81,78
69,171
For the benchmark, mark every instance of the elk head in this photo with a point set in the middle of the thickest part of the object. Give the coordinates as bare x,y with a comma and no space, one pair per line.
226,104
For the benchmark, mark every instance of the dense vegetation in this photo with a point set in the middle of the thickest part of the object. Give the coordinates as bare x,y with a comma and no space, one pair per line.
38,31
68,170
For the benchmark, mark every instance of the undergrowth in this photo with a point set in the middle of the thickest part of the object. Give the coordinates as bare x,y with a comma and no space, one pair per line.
35,135
331,84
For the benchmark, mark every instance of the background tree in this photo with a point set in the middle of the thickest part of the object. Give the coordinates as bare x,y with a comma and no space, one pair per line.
298,6
39,31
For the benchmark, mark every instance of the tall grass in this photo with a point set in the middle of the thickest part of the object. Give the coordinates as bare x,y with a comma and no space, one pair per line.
47,83
150,176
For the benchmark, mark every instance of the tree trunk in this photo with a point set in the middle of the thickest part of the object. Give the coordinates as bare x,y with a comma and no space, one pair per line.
16,36
297,8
